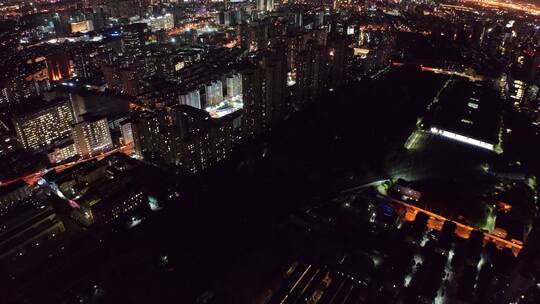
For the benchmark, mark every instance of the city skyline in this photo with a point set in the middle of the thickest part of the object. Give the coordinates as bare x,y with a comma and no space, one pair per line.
270,151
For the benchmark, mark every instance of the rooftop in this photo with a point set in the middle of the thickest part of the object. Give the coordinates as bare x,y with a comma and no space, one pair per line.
466,111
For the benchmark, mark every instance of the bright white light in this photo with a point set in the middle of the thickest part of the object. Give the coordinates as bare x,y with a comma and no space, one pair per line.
407,280
424,240
461,138
134,222
473,105
225,107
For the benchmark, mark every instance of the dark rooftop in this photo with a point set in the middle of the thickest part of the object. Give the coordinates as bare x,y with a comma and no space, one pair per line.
467,108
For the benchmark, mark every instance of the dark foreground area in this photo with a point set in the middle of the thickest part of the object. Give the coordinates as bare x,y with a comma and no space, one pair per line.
229,238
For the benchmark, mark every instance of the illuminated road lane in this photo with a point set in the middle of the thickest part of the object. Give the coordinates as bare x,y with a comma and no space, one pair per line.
309,288
32,178
300,285
290,283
